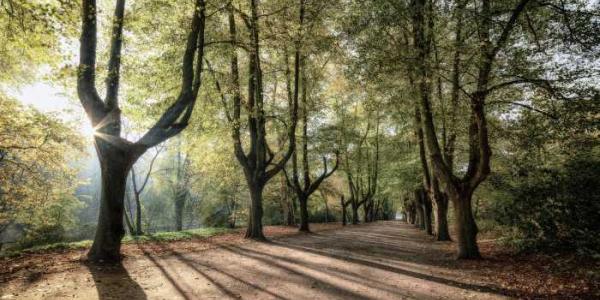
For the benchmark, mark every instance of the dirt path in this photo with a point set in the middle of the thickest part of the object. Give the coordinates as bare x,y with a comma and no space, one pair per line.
385,260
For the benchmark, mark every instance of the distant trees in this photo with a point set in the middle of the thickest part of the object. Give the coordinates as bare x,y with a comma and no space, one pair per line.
117,155
36,182
361,153
138,185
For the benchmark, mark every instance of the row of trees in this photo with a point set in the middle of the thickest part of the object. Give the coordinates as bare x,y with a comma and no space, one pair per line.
458,58
262,118
375,104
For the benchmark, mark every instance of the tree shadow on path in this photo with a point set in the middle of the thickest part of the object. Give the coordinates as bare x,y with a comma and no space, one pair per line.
113,282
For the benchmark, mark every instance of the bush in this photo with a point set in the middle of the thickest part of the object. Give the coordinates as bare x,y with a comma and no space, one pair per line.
555,207
43,234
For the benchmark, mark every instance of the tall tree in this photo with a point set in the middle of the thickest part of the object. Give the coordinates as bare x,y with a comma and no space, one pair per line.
116,154
259,162
460,190
305,188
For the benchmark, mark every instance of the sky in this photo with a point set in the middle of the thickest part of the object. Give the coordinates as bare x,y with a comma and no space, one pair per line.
48,98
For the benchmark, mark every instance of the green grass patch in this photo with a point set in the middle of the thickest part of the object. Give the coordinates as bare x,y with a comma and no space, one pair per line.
154,237
178,235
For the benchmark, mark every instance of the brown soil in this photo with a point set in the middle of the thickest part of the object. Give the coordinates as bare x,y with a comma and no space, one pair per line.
383,260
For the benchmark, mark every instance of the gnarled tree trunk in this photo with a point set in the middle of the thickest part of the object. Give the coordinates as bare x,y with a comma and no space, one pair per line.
117,155
354,213
114,165
441,217
466,228
304,227
254,230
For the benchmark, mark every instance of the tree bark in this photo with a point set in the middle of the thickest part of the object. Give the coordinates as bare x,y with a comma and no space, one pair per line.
354,213
304,227
291,215
466,228
128,220
180,198
420,213
114,165
254,230
441,217
138,215
366,212
343,204
423,207
427,212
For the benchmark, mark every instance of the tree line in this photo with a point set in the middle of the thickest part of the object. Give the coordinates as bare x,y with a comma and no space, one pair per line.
415,107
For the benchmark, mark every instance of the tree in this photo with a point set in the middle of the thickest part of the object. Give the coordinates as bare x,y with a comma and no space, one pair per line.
363,180
137,190
181,186
258,162
460,190
117,155
307,187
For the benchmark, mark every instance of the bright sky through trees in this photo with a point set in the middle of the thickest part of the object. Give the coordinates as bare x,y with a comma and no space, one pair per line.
49,98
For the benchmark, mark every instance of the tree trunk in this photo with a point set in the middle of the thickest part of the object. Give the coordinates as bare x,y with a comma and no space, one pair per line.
466,228
128,222
344,222
304,227
291,216
138,215
420,212
427,212
326,211
233,213
254,230
354,213
419,223
179,206
441,217
114,166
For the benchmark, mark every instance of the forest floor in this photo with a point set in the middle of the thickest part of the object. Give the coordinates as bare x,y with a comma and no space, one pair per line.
382,260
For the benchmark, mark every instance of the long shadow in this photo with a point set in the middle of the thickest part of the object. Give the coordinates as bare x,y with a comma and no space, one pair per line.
192,264
333,288
183,291
353,277
373,264
114,280
376,248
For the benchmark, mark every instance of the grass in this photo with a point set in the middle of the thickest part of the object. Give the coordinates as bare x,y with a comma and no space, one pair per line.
178,235
154,237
